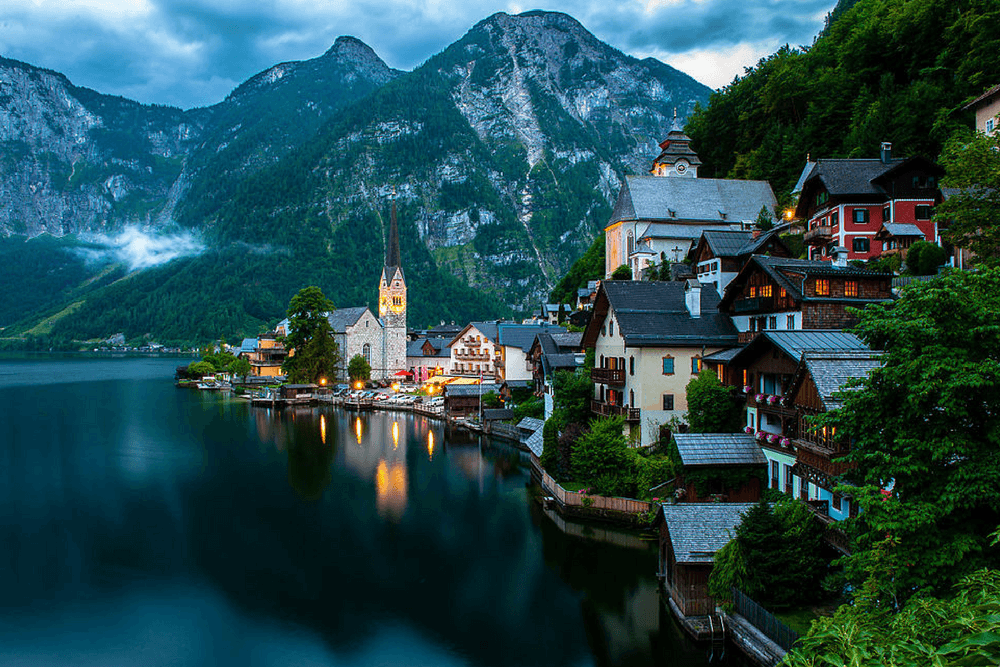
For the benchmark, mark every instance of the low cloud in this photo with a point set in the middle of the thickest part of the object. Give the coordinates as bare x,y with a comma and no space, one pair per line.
139,249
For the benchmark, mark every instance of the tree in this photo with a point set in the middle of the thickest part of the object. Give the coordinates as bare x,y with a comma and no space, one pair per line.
923,258
711,406
200,369
313,353
765,220
601,458
240,367
573,392
927,425
972,216
358,368
623,272
491,399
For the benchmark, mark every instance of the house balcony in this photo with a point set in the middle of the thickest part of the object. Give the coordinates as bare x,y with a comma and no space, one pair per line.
819,458
472,356
471,343
754,304
818,235
608,410
611,376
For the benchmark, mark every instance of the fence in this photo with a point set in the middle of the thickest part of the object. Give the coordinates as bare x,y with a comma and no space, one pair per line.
504,430
576,499
763,620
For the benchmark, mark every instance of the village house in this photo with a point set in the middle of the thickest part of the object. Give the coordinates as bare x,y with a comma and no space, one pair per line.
658,218
778,293
428,357
466,400
987,108
648,340
474,351
719,467
513,345
265,353
719,255
550,353
690,534
845,202
766,370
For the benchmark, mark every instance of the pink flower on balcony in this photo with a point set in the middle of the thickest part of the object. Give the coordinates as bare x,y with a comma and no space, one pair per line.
785,442
761,435
760,398
773,400
748,430
774,438
747,389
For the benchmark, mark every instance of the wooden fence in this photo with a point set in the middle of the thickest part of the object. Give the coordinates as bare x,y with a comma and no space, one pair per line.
763,620
504,430
577,499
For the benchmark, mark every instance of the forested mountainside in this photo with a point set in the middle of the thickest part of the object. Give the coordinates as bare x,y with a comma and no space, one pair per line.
505,151
883,70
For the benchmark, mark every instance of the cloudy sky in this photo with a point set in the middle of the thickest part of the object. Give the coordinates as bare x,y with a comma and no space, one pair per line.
191,53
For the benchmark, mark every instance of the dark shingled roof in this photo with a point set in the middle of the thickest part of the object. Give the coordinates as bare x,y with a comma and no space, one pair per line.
469,389
778,269
531,424
723,356
497,414
698,530
995,90
901,229
708,200
653,314
523,335
342,318
797,341
416,348
718,449
535,443
831,371
852,176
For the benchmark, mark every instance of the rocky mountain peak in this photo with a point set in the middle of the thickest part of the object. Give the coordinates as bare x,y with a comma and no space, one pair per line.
349,50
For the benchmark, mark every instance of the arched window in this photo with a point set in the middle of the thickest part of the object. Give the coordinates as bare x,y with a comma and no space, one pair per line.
631,244
366,352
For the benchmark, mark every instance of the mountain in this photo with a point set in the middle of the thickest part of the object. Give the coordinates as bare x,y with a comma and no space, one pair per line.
505,152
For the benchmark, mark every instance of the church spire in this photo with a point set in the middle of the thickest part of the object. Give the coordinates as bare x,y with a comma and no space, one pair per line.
392,257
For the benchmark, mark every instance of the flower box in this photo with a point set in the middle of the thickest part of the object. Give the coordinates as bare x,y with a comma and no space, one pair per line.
747,389
785,442
748,430
774,438
760,398
773,400
760,435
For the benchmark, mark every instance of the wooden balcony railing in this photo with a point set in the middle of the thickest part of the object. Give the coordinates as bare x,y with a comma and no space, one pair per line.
818,235
612,376
608,410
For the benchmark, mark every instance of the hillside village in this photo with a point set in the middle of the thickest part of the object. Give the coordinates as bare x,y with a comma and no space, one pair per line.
698,280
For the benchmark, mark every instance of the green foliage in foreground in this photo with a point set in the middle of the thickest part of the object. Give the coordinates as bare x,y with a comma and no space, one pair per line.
962,630
972,216
928,422
602,459
358,368
316,353
712,407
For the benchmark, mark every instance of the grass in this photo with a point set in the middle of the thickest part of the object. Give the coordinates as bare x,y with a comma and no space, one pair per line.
44,328
573,486
800,620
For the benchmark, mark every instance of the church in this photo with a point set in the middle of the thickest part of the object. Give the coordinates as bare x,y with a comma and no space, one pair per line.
380,340
657,218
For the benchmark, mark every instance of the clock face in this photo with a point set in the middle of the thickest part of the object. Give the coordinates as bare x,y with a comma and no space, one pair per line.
681,167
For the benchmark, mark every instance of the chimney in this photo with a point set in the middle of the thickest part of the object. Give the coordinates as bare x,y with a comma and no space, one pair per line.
839,255
885,153
692,297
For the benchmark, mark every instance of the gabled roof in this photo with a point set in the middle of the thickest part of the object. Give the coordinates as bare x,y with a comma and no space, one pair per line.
831,372
992,92
729,243
709,200
718,449
416,348
530,424
698,530
488,329
654,314
535,443
342,318
523,335
248,345
568,341
470,389
781,270
795,342
855,177
898,229
497,414
667,230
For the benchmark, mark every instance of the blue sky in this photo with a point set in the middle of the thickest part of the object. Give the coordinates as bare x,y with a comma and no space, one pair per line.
191,53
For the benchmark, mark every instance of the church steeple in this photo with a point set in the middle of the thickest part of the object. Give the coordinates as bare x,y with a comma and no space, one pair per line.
392,259
392,285
676,158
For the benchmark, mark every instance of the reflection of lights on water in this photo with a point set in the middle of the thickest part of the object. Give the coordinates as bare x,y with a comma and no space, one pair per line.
322,428
395,435
357,428
390,487
430,445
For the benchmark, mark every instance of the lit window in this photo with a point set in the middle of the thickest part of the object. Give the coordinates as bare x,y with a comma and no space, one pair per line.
822,287
668,365
766,291
695,365
851,288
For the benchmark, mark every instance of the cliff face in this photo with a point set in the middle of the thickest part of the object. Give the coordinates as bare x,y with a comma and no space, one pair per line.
506,151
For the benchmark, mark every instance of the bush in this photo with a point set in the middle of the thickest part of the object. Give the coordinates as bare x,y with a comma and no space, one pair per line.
924,258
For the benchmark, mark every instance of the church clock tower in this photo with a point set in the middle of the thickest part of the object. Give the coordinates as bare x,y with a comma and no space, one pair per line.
392,303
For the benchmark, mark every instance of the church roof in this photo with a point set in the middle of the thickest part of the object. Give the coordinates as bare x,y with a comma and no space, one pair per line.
342,318
702,200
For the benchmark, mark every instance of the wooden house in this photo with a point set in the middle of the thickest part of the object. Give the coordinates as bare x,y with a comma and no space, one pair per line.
719,467
719,255
689,536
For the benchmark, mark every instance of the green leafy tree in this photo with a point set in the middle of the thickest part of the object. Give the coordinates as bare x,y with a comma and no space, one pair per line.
551,459
765,219
972,217
573,392
712,407
358,368
601,458
491,399
314,354
623,272
778,560
923,258
928,424
240,367
200,369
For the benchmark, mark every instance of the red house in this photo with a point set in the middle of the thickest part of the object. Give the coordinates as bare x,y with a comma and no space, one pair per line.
846,202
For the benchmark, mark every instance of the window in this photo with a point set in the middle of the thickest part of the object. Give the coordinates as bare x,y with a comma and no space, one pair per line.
822,287
860,216
668,367
746,377
822,198
366,352
766,291
772,322
834,218
788,479
887,214
851,288
923,212
631,365
790,322
753,325
668,401
836,504
611,328
774,474
990,125
782,293
861,244
803,489
604,330
695,365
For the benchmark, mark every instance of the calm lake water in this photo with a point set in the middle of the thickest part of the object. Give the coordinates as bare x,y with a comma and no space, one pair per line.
141,524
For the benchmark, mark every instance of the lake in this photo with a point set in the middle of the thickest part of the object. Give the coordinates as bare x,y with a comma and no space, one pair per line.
144,524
